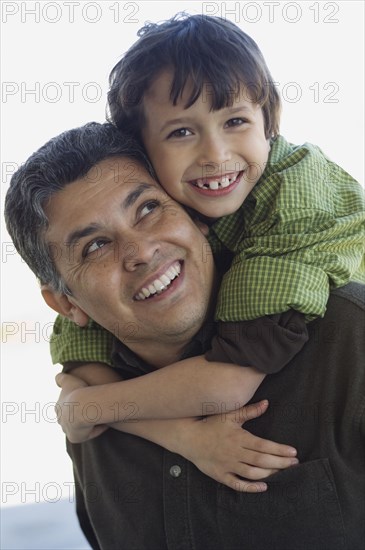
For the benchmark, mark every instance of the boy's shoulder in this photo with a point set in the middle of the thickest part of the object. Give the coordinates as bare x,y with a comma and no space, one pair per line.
302,175
284,155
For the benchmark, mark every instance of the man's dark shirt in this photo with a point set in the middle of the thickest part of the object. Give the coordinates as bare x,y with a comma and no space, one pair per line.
132,494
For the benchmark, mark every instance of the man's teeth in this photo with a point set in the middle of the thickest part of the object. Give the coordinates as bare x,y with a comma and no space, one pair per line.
160,284
223,182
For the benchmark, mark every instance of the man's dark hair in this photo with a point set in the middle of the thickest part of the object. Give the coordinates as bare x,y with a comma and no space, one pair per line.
200,50
61,161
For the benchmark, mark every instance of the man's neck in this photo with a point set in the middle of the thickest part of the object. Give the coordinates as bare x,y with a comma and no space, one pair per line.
163,354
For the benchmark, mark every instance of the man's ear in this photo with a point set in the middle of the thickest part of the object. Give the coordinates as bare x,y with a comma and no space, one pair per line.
62,304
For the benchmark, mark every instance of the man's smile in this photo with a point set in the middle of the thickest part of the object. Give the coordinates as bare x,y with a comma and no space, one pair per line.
161,283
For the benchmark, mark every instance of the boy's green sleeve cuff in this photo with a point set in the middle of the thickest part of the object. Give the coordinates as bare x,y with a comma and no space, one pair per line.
90,344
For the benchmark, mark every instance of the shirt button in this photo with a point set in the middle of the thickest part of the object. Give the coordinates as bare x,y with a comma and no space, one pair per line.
175,471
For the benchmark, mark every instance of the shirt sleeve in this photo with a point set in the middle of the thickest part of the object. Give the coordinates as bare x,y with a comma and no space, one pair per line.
307,240
71,343
267,343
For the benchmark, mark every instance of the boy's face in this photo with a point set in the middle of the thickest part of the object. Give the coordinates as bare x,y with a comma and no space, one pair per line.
208,160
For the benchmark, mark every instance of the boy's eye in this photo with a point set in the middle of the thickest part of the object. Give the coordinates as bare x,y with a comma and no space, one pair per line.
148,207
94,247
235,122
180,132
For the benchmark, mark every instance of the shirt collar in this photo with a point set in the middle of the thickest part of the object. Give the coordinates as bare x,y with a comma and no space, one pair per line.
131,365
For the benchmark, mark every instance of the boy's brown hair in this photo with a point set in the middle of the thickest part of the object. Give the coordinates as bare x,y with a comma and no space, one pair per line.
200,50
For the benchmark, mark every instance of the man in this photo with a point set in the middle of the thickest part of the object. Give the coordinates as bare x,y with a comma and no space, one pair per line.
132,493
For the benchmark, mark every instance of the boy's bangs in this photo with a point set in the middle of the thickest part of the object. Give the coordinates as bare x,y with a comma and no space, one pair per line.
219,92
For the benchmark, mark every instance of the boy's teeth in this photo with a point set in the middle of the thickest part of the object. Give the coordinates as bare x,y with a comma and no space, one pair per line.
160,284
225,181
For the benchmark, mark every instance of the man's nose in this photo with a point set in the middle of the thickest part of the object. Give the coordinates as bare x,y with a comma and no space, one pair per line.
139,253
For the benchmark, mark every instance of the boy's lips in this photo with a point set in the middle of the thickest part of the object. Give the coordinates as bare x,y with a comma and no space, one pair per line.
217,186
159,284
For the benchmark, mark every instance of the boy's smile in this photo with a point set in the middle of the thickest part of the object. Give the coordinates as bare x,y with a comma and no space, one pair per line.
208,160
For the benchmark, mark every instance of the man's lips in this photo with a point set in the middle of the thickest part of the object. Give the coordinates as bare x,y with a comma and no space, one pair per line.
217,183
159,284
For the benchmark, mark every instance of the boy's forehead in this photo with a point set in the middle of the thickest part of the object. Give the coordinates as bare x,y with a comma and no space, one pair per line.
160,88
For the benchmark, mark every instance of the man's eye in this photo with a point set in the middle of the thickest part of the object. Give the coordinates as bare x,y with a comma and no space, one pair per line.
94,247
148,207
180,132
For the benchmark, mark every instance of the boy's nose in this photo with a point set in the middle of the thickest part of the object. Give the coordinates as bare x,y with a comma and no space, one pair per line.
214,151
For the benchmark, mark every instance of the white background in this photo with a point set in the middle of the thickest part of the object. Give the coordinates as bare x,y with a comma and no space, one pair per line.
315,53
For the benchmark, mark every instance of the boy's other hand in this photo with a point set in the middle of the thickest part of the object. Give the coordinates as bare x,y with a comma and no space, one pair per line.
70,412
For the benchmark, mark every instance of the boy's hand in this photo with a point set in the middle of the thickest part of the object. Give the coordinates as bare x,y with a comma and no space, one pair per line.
70,412
224,451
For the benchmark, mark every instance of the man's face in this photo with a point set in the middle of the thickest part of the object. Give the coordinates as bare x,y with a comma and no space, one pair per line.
208,160
133,259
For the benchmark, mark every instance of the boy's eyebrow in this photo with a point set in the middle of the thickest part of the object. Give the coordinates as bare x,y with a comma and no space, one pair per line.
173,121
238,109
186,120
128,201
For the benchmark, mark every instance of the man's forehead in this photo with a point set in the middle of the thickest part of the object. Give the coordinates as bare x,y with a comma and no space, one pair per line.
87,200
117,170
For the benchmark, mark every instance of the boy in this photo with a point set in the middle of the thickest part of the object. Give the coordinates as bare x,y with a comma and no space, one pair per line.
197,93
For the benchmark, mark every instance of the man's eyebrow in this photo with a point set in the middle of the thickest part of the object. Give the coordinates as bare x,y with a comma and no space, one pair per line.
78,234
92,228
131,198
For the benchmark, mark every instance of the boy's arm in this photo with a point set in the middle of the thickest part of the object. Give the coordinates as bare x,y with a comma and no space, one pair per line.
268,343
89,344
192,387
216,445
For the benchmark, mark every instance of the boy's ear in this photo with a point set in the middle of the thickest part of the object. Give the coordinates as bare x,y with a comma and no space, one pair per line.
62,304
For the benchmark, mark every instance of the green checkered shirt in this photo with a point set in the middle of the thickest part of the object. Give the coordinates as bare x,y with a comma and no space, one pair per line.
91,344
298,234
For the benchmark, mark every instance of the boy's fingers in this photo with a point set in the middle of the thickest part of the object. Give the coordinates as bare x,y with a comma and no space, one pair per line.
59,379
248,412
69,382
253,462
252,473
267,447
243,486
